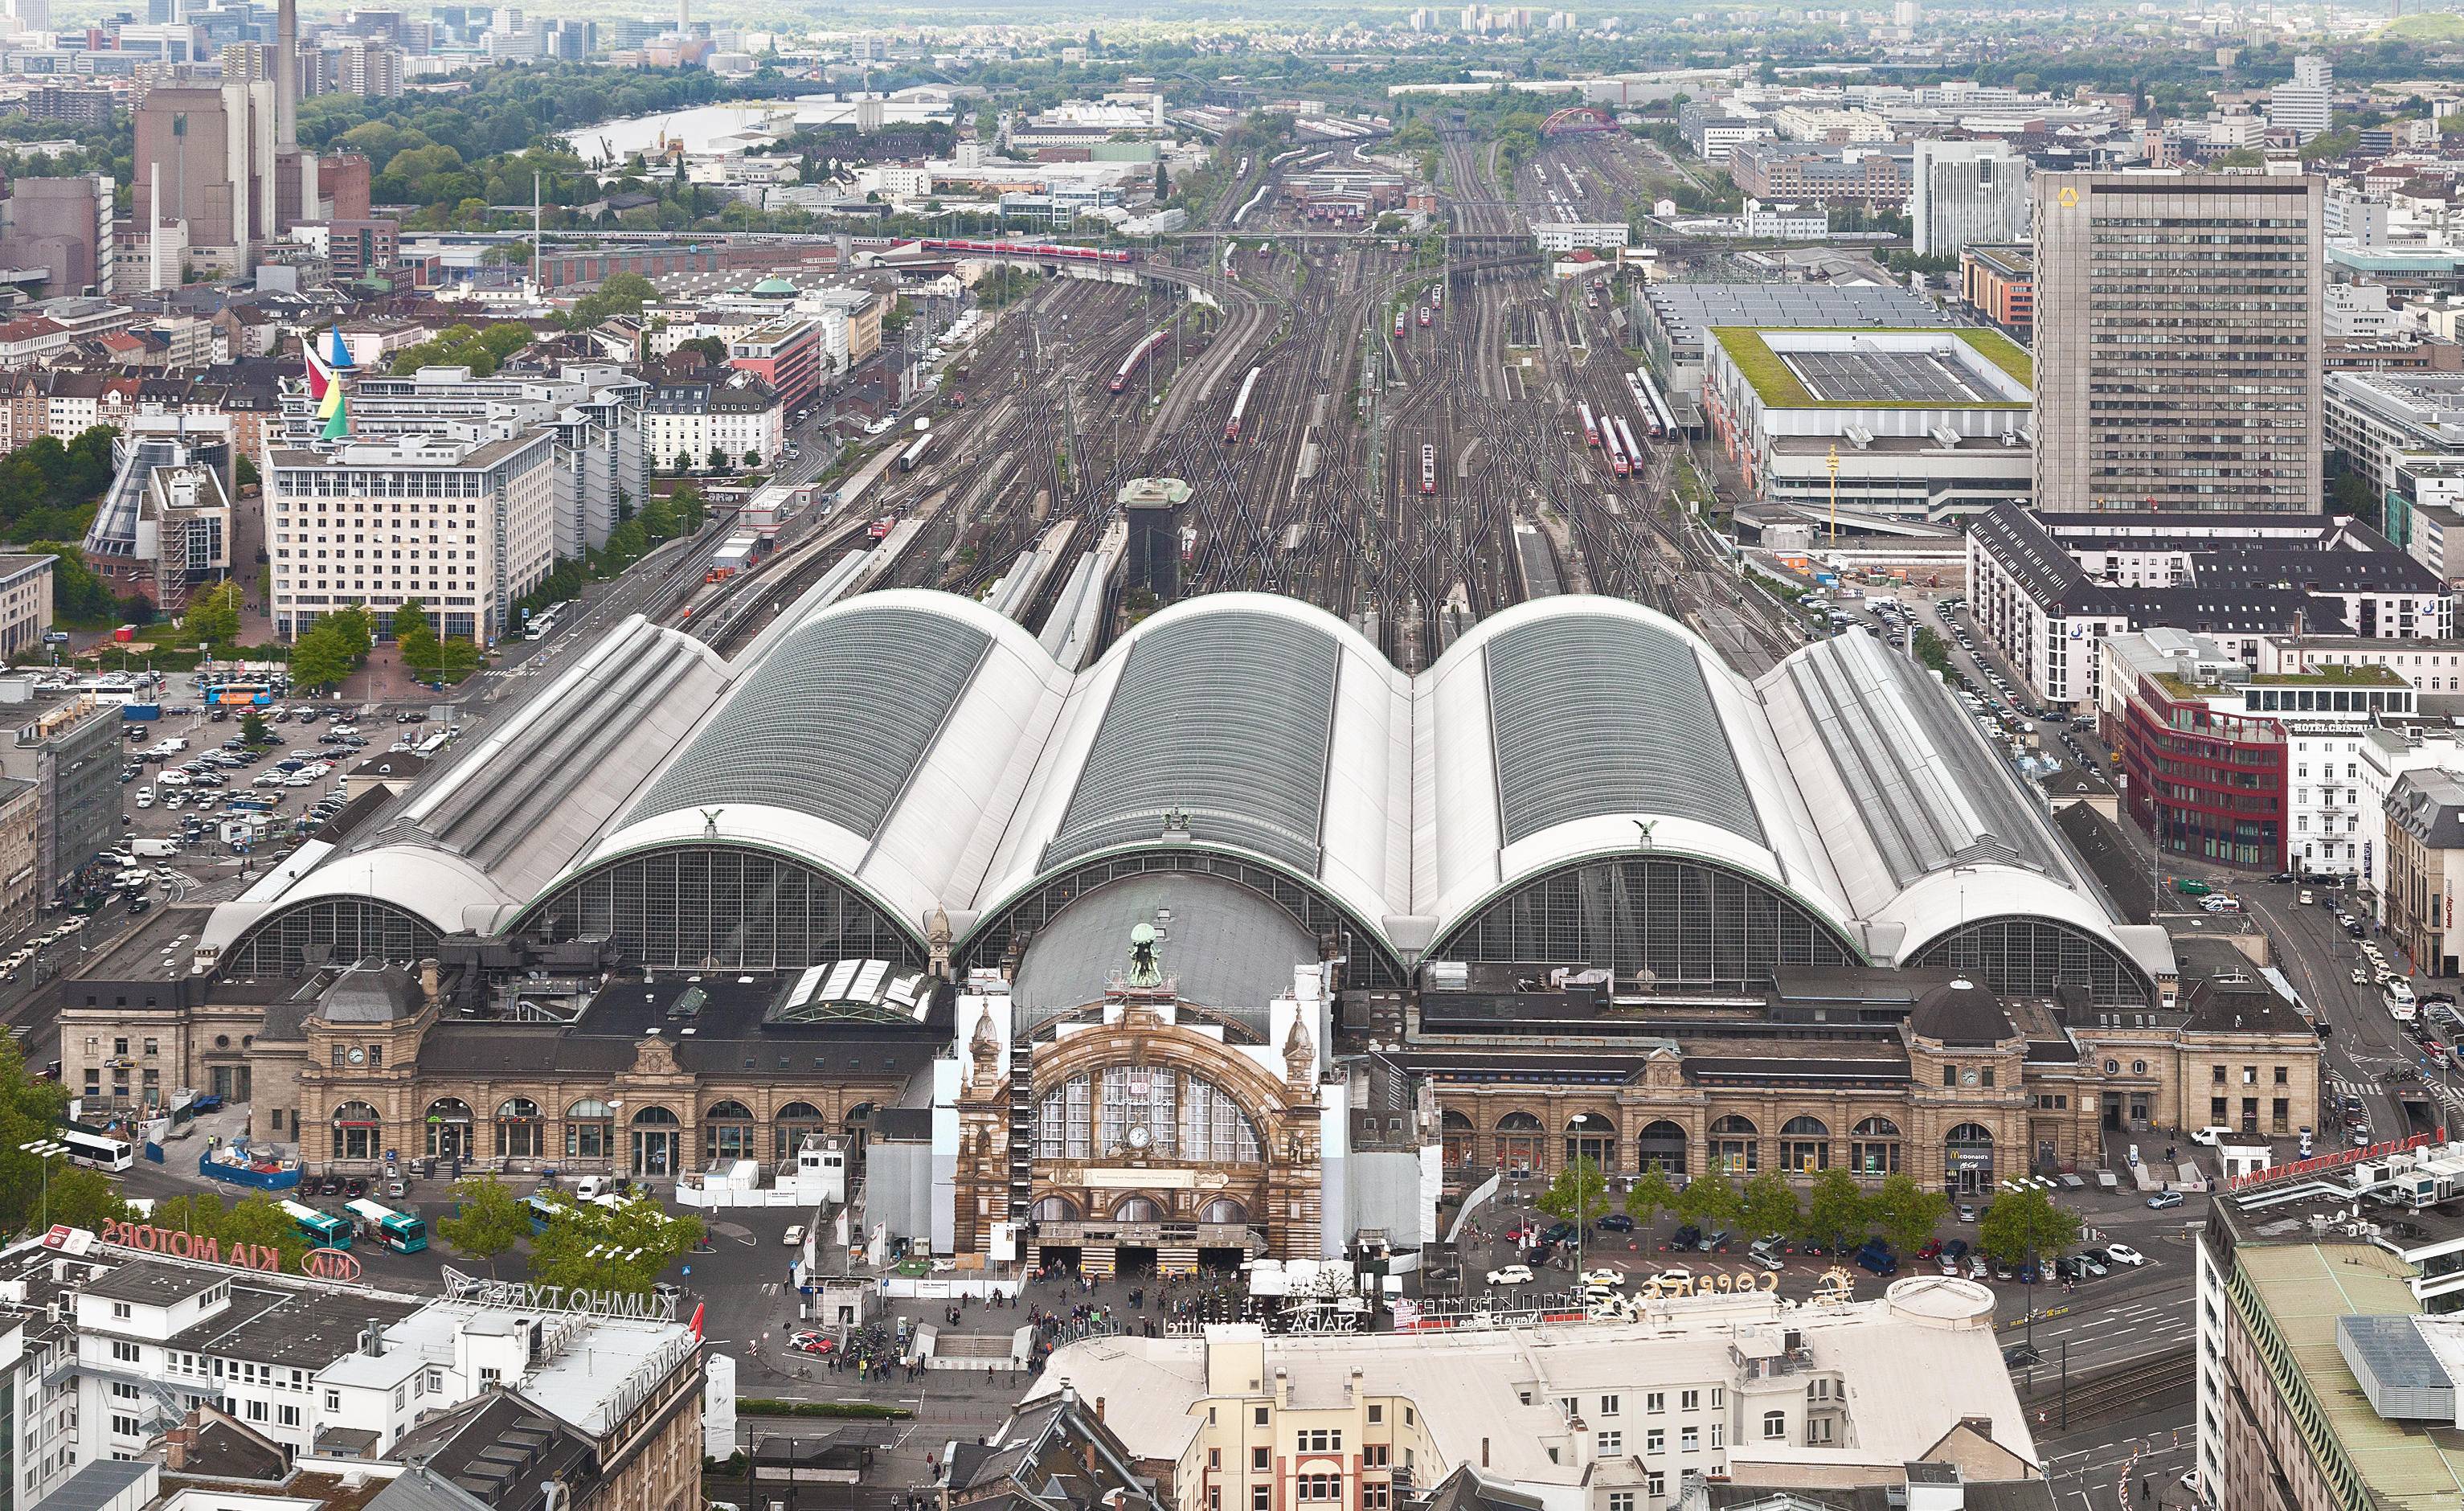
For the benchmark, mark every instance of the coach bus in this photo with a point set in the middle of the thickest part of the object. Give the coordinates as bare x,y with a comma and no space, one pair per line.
98,1151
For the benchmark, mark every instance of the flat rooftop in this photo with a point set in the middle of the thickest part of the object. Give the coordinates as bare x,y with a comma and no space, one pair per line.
2306,1288
1687,310
1887,377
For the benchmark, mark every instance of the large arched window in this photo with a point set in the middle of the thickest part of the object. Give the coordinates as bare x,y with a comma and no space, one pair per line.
357,1130
1144,1112
1874,1146
2033,958
1686,921
1137,1208
746,909
1054,1209
1458,1139
1805,1146
1968,1159
1522,1144
726,1132
519,1129
1224,1208
1663,1144
1591,1136
658,1137
589,1129
334,928
788,1129
448,1129
1736,1146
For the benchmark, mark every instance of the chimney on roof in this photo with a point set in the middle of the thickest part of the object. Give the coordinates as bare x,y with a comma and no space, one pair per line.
432,978
372,1339
1099,1407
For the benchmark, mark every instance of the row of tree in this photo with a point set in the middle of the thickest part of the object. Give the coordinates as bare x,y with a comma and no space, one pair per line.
1836,1210
624,1246
465,346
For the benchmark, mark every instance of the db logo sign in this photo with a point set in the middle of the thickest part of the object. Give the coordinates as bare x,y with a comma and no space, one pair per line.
330,1265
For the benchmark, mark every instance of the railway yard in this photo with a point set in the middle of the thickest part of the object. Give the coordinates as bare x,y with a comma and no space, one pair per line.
1394,429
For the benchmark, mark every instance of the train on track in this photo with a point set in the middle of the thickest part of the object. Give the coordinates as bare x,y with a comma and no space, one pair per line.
1590,427
1424,316
914,452
1030,249
1240,408
1137,357
1625,444
1428,469
1398,324
1658,421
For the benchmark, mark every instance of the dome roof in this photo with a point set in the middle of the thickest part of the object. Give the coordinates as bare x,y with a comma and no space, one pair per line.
775,285
1961,1014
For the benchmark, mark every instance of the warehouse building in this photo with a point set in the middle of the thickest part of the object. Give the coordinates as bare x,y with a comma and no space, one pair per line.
1859,425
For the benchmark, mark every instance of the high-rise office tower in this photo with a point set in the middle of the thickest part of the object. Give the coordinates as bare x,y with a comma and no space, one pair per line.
2178,341
2306,105
1960,193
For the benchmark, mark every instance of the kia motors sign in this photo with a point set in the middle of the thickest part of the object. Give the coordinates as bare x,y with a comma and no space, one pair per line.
330,1265
181,1245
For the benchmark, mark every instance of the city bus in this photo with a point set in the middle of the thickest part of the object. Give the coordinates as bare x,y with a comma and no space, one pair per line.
240,693
403,1235
320,1228
543,1212
97,1152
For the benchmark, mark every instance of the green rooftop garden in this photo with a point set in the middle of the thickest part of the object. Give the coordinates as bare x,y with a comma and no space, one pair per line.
1780,389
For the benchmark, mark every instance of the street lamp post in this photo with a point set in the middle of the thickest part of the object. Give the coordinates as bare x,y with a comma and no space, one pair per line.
43,1149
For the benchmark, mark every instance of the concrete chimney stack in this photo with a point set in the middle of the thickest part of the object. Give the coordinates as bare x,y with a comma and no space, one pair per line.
286,78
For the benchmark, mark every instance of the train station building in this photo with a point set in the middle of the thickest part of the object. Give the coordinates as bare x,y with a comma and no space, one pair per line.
1240,939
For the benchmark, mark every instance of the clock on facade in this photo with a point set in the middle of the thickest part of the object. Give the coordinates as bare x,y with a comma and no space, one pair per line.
1139,1136
1967,1078
358,1056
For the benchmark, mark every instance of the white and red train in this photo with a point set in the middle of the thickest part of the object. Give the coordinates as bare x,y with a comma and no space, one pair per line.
1240,408
1428,469
1658,422
1590,427
1398,324
1138,355
1028,249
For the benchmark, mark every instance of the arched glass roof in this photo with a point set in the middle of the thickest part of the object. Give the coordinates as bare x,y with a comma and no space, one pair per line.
834,720
1220,722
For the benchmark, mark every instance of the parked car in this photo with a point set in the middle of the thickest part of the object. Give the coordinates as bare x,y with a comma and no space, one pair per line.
2124,1253
1615,1222
794,1237
2167,1200
1511,1275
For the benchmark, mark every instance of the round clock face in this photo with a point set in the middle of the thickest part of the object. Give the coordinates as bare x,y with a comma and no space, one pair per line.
1138,1137
358,1056
1967,1078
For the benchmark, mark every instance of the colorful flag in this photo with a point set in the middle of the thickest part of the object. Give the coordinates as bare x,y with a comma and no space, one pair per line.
317,382
332,403
341,353
338,426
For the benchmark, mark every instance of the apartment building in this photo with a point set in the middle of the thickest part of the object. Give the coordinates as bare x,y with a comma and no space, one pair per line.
593,409
1874,178
2178,341
467,527
1611,1417
1965,192
693,423
2046,588
25,603
785,354
474,1384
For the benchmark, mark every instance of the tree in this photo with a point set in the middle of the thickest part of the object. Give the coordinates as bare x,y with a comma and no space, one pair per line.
1931,651
710,347
1650,1194
246,472
415,638
253,730
1707,1202
213,616
691,509
623,1247
2024,1226
718,457
753,456
492,1219
1836,1210
1906,1213
1767,1204
1578,1194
